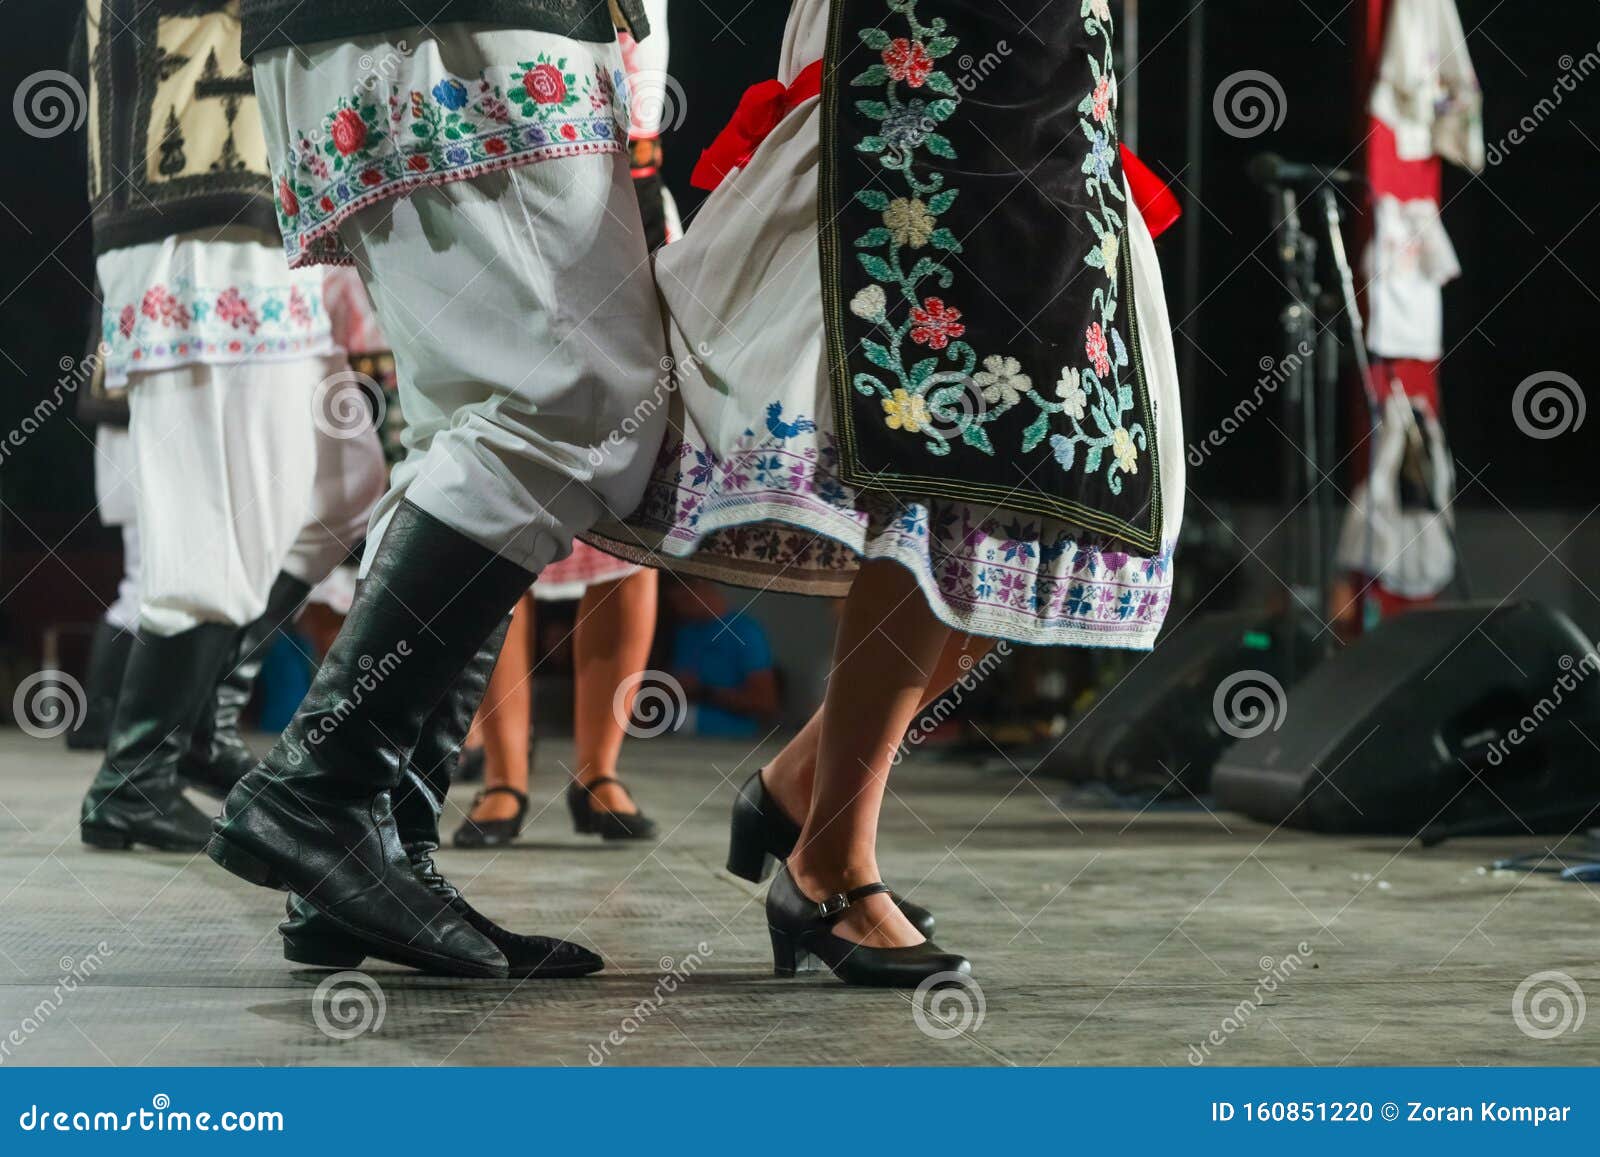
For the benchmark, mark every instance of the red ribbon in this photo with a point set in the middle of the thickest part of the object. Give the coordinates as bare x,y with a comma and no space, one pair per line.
760,110
764,106
1156,203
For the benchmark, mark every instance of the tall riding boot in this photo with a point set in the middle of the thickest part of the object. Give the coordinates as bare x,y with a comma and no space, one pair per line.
310,938
137,797
218,756
108,656
315,817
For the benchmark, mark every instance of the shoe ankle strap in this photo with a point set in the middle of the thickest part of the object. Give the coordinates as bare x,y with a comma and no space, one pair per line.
834,906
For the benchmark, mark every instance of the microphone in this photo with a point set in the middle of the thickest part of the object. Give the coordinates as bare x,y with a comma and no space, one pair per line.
1272,171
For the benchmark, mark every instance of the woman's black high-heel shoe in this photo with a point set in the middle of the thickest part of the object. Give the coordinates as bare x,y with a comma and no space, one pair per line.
492,833
590,820
763,837
801,931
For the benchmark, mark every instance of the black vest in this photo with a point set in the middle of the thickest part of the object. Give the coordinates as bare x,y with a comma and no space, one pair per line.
175,136
297,23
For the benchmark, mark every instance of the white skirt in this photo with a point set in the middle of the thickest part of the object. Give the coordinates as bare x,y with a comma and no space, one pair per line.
746,490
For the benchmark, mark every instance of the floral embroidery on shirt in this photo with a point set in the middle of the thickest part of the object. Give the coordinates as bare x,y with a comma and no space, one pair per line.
182,323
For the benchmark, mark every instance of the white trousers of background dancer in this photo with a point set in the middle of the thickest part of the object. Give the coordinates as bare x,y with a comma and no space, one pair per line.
236,482
116,498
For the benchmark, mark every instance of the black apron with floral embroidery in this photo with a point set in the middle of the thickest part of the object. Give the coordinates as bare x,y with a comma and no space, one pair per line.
982,337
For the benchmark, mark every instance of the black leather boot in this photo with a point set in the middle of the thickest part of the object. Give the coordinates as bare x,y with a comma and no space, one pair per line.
763,836
218,756
311,938
108,656
137,797
314,816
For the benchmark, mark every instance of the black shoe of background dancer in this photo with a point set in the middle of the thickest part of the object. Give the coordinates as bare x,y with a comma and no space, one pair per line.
218,755
137,797
108,656
314,817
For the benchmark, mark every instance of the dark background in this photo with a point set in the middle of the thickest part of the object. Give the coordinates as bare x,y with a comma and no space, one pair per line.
1526,233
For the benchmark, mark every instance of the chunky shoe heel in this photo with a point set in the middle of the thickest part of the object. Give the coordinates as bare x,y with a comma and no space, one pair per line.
785,952
582,817
323,951
587,820
243,864
97,837
748,857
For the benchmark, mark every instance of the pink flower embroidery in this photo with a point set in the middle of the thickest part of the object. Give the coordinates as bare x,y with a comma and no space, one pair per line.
299,309
1094,345
125,322
907,60
286,198
349,131
235,310
935,324
160,305
1102,100
545,84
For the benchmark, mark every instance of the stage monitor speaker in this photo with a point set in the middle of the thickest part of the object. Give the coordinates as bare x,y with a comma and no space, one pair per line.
1471,719
1156,733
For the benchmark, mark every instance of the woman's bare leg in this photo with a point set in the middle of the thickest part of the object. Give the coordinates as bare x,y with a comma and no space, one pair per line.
504,719
788,775
616,624
887,648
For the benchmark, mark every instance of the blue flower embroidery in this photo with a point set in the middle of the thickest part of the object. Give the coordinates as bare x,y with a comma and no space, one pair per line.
450,93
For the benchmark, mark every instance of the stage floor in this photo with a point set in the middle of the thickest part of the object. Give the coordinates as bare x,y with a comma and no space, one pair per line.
1098,938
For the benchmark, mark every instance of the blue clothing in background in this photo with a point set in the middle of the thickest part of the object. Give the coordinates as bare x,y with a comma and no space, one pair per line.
722,654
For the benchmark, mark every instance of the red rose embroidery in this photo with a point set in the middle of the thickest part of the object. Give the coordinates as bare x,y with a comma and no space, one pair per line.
569,132
349,131
286,198
1094,344
125,322
371,177
494,146
327,204
935,324
907,60
545,84
417,163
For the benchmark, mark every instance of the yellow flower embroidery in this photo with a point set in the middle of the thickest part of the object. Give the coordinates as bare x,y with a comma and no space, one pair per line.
1110,247
905,411
1122,446
909,221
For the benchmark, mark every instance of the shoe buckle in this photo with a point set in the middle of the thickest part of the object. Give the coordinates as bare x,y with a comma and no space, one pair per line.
833,905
